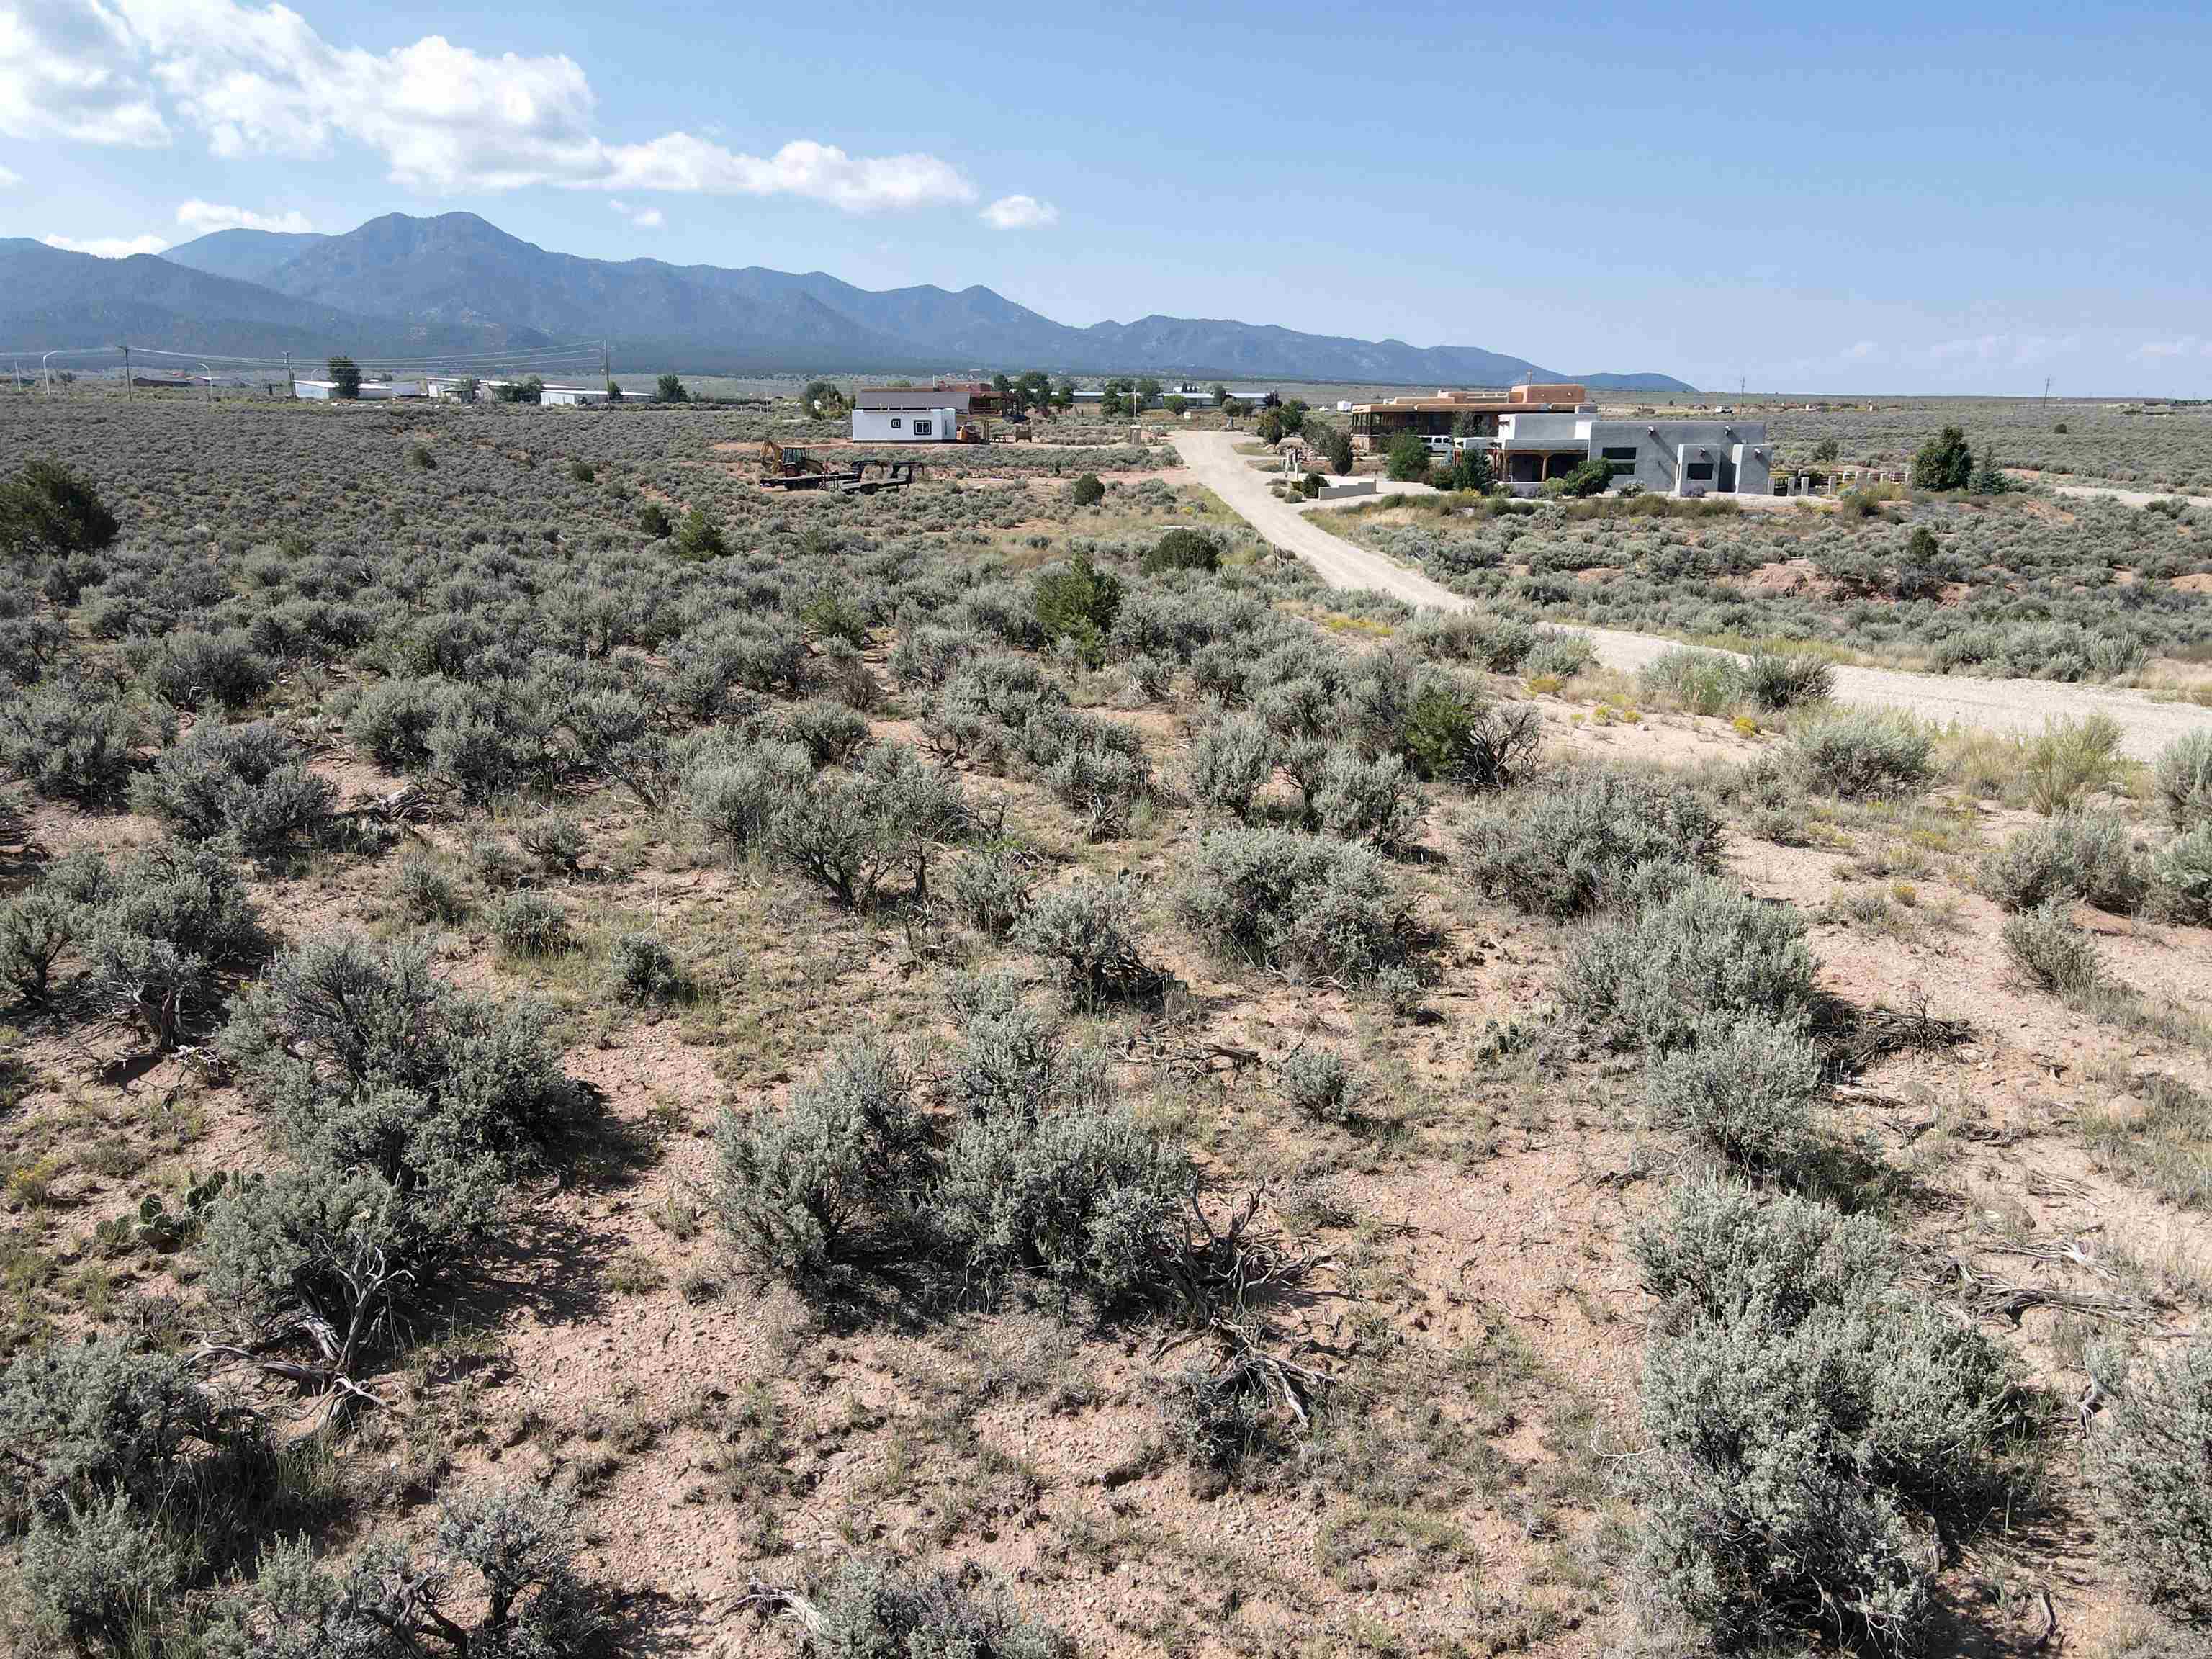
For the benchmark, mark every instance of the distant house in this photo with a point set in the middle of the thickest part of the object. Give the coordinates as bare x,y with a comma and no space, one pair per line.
573,397
1538,432
909,413
371,391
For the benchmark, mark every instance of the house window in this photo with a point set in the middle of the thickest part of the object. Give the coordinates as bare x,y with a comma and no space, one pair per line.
1698,472
895,422
1622,461
921,429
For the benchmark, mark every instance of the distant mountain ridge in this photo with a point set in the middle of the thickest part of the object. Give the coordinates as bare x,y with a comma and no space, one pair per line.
456,281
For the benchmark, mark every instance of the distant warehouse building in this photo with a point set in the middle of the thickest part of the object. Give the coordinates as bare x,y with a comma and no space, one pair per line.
1538,432
573,397
909,413
371,391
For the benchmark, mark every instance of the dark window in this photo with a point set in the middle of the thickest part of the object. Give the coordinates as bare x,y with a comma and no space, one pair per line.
921,429
895,422
1617,455
1700,471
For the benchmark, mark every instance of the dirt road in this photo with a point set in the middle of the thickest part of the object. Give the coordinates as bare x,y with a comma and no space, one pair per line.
1994,705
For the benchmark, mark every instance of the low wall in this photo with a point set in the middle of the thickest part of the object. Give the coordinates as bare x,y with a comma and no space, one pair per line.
1336,492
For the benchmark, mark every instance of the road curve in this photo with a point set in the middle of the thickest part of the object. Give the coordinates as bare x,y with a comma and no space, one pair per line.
1994,705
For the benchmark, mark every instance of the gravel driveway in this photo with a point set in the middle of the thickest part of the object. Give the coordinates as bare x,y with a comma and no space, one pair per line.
1995,705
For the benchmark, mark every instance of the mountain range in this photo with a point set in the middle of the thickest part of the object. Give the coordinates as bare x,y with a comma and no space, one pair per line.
399,286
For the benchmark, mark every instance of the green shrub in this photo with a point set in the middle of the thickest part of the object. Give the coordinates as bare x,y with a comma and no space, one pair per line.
554,840
874,1610
1590,839
161,922
193,668
700,535
101,1577
497,1577
1182,549
1860,755
72,740
249,781
1355,799
2071,760
1407,458
736,795
1083,1194
1704,953
991,888
1305,906
2150,1464
1699,681
1087,490
1231,760
36,928
642,969
653,520
529,924
1944,461
828,730
392,722
48,512
1077,601
428,896
1741,1092
1089,930
2181,878
1811,1422
1449,735
1320,1082
1777,680
2049,950
835,1179
2089,856
2184,778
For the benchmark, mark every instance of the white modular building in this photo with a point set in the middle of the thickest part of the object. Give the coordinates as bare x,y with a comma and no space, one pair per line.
908,414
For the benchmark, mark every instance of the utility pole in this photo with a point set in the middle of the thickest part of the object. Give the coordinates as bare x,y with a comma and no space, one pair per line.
2047,394
291,387
128,394
605,377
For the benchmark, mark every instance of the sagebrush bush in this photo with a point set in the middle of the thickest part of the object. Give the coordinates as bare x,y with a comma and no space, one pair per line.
530,924
1089,930
642,969
249,780
872,1609
2183,779
555,840
1448,734
392,722
193,668
1182,549
838,1176
1742,1091
2049,950
736,795
2150,1464
1231,760
72,740
2090,856
427,895
1354,798
1307,906
2181,878
991,888
1320,1082
1706,951
1812,1423
1558,656
157,926
1861,756
1589,838
1778,680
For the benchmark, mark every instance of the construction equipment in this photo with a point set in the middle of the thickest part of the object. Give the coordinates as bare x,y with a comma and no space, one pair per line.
897,475
788,466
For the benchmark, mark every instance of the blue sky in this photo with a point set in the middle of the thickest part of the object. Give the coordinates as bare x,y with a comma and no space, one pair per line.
1875,197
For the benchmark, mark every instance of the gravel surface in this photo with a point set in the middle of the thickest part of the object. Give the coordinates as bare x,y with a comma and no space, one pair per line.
1995,705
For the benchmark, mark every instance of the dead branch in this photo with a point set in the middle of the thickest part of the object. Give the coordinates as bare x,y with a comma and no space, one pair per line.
770,1599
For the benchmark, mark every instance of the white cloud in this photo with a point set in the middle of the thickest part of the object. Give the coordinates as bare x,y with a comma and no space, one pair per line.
201,217
447,120
643,218
1019,213
1859,351
72,71
109,247
2189,345
2018,350
7,178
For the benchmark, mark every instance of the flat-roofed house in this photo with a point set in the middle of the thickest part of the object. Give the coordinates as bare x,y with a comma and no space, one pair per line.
909,414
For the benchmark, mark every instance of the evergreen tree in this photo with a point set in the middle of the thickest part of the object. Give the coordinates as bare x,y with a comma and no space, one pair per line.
1944,461
345,376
